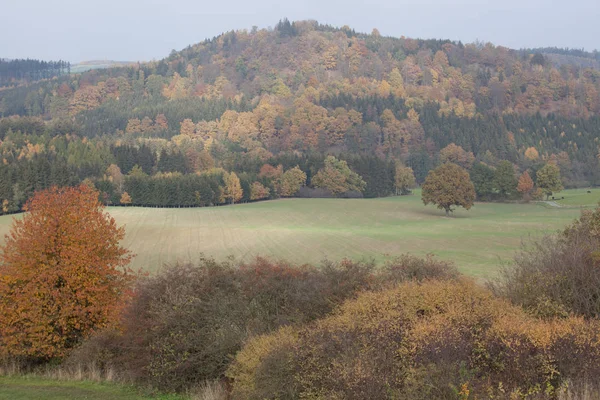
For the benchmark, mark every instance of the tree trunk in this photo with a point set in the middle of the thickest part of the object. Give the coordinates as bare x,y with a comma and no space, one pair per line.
447,212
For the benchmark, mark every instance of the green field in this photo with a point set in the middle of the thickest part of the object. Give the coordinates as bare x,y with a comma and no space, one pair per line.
36,388
310,230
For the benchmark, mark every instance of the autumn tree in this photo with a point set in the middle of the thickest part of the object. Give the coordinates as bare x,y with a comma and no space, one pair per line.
457,155
291,181
258,191
548,179
337,177
405,180
448,185
62,274
525,185
125,199
233,188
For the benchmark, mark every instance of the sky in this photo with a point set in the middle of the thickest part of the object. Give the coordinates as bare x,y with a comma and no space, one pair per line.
143,30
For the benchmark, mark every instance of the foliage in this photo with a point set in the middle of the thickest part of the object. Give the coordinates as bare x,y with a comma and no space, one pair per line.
558,275
184,324
457,155
448,185
337,177
291,181
62,274
418,341
482,177
505,181
405,180
548,179
233,190
525,186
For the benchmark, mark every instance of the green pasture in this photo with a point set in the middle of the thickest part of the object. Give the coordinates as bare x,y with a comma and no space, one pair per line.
311,230
36,388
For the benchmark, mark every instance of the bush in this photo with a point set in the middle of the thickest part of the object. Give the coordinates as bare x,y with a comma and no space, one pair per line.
408,268
185,324
435,340
559,274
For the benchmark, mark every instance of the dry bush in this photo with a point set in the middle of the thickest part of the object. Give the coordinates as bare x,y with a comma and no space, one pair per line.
185,324
408,267
559,274
435,340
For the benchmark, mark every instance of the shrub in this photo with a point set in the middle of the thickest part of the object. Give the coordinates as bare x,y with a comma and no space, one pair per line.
185,324
408,268
559,274
435,340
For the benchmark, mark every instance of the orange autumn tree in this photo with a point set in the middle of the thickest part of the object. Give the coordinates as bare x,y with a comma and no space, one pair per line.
63,274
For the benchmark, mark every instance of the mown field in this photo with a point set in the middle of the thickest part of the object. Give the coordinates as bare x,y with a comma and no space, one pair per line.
310,230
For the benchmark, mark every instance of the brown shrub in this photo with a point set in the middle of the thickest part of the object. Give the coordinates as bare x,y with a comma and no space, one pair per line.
435,340
559,274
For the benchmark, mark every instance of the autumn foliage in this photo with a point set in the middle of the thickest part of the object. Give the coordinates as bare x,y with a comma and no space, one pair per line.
62,274
448,185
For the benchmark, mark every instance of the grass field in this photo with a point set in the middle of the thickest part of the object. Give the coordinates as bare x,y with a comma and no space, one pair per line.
310,230
36,388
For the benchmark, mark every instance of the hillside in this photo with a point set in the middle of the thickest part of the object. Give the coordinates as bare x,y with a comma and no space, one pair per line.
302,90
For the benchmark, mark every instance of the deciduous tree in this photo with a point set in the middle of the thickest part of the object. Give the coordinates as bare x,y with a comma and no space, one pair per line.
525,185
233,188
405,180
291,181
337,177
62,274
448,185
548,179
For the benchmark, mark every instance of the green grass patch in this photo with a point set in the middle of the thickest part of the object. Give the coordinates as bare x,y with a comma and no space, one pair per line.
34,388
310,230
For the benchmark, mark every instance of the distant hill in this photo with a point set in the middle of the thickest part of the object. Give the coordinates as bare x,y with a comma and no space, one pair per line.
98,64
292,95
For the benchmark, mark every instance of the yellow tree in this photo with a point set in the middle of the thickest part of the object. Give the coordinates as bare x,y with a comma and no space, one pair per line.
233,188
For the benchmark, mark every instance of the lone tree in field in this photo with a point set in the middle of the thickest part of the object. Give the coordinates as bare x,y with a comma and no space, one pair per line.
448,185
62,274
548,179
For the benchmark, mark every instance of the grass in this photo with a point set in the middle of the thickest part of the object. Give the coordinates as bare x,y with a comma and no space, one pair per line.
310,230
33,387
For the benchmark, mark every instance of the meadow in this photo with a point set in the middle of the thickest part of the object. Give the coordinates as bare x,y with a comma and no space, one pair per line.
35,387
479,241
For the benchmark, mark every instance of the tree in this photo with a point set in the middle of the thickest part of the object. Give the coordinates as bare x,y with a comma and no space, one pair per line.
63,274
525,185
337,177
548,179
405,180
482,177
258,191
505,181
125,198
291,181
448,185
457,155
233,188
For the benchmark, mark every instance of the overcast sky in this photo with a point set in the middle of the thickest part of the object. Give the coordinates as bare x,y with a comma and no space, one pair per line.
130,30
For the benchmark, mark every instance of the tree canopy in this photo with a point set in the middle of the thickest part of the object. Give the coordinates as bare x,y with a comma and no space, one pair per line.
448,185
63,274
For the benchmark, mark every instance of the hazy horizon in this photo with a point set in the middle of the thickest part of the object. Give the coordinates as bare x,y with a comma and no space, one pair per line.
133,30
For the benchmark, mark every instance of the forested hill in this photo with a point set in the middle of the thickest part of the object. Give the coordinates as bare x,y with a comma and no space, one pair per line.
303,90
